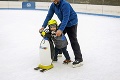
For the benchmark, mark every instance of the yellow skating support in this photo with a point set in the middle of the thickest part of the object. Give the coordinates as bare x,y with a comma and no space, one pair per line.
45,67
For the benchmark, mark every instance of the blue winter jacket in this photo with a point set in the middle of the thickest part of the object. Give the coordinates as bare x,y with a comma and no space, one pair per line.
65,13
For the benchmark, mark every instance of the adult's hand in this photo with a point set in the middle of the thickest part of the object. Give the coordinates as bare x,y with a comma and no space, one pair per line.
41,29
58,33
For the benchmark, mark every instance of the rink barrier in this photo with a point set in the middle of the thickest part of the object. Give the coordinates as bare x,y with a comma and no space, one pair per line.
28,5
98,10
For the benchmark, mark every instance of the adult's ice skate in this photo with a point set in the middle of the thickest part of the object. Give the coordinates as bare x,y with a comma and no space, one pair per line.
77,63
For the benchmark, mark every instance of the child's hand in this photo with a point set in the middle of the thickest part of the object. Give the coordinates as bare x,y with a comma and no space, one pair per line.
53,34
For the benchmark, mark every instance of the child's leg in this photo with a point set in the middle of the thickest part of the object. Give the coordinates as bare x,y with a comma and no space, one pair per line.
56,53
60,51
65,52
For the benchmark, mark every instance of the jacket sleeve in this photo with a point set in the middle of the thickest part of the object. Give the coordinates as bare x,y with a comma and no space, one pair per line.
66,14
49,15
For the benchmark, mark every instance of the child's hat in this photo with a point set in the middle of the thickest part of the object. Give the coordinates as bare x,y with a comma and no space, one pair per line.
52,22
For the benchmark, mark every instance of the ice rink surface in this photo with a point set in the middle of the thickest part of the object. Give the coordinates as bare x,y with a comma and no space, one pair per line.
99,39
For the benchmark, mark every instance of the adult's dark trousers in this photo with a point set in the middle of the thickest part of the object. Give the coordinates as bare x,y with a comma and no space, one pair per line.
72,34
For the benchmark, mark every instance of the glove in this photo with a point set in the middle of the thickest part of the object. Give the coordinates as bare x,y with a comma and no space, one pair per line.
53,34
43,33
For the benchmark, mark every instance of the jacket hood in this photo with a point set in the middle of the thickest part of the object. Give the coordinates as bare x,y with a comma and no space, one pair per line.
59,2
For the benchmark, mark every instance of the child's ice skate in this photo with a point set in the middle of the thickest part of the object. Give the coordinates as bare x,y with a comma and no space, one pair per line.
66,61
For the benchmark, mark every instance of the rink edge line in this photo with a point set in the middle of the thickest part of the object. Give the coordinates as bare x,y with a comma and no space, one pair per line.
95,14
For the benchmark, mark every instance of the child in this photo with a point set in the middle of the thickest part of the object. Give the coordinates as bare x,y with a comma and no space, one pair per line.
59,41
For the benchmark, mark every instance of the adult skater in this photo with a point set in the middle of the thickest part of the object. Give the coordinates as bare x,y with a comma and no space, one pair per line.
69,21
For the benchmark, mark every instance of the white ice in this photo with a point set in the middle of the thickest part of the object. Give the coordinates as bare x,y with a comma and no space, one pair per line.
99,39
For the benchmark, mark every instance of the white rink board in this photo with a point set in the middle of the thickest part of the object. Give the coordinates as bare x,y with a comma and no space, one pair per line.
86,8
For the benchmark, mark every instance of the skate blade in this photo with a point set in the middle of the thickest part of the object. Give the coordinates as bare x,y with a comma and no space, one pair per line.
77,65
67,62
